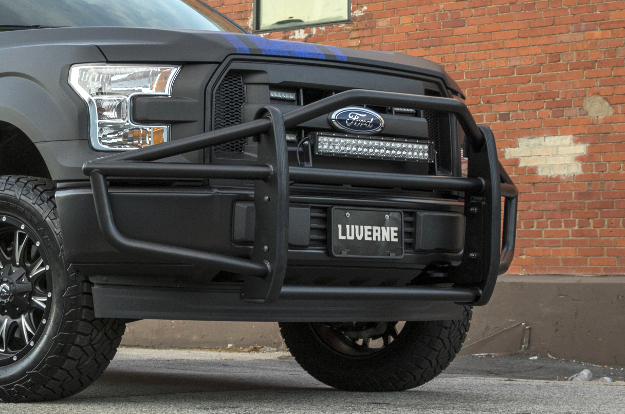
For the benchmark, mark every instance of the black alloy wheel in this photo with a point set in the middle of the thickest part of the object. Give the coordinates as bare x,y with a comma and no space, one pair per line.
358,339
51,343
25,289
376,356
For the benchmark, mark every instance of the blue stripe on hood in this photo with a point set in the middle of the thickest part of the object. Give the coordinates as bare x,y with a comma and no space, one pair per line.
282,48
338,53
237,43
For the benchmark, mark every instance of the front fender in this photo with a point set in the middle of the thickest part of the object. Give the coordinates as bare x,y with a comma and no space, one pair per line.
28,106
35,95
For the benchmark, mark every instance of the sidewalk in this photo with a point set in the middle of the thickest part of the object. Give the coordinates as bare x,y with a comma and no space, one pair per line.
193,382
568,317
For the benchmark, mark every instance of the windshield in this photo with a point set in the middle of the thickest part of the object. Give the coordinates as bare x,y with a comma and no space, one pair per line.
158,14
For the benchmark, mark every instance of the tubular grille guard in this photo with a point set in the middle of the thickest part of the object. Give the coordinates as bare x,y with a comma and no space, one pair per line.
484,258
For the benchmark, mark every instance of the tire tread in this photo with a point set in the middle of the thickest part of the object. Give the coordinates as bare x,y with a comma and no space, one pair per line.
434,346
84,345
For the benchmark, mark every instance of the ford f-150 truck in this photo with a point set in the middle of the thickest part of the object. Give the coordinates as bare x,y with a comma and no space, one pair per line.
159,162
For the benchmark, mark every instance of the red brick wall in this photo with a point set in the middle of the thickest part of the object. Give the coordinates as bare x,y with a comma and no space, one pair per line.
530,69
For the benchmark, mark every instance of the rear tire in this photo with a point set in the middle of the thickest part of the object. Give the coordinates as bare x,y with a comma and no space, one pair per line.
61,347
420,352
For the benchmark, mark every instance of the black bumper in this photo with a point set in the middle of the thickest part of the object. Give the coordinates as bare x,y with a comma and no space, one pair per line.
222,220
484,256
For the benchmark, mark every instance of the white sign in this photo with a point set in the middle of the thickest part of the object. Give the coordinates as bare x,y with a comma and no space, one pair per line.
283,14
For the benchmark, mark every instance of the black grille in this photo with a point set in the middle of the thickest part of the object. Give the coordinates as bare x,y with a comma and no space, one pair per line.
409,231
229,99
434,131
318,228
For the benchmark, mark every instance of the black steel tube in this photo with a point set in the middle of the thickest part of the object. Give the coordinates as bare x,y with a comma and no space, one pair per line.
509,190
505,178
508,234
194,143
303,114
164,252
328,176
144,169
511,193
298,292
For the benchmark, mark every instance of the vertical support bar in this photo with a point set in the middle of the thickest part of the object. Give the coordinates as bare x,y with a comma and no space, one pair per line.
475,207
271,199
509,233
482,241
509,220
487,167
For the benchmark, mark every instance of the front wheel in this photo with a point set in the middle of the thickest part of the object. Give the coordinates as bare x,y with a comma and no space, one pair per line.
376,356
51,343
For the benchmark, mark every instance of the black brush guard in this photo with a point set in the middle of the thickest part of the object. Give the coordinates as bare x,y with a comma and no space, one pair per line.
485,255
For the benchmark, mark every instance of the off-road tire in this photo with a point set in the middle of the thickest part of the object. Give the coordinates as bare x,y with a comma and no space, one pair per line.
421,351
74,347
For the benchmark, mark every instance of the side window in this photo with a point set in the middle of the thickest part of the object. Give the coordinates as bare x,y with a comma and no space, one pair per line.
277,15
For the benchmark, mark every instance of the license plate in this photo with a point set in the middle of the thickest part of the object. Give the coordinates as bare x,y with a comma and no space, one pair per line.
367,233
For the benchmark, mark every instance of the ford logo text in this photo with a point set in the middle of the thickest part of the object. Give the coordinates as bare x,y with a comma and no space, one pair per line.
357,120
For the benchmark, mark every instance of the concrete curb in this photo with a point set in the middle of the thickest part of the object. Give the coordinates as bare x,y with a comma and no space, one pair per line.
568,317
202,335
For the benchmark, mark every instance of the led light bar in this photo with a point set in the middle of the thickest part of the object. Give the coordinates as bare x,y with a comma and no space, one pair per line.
285,96
404,111
365,147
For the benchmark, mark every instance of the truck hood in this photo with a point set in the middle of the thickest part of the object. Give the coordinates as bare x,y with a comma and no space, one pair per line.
133,45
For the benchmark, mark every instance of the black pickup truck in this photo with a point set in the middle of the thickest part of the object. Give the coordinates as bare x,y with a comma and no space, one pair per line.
159,162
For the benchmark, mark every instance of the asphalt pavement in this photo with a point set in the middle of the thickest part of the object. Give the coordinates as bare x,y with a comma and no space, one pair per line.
161,381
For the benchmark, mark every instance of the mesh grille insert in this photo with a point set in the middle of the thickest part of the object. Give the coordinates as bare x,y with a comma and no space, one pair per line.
318,227
228,103
409,231
433,131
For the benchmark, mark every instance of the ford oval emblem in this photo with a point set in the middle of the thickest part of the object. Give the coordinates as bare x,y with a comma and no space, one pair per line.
357,120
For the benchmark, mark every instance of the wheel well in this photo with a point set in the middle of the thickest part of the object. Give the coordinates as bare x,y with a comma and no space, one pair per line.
19,155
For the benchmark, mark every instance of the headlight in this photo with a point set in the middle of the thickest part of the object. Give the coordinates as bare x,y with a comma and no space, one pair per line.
108,90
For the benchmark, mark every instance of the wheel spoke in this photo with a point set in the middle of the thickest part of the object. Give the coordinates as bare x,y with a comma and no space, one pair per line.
26,328
25,271
18,248
4,329
393,332
23,287
37,268
39,302
21,303
5,254
4,258
16,242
